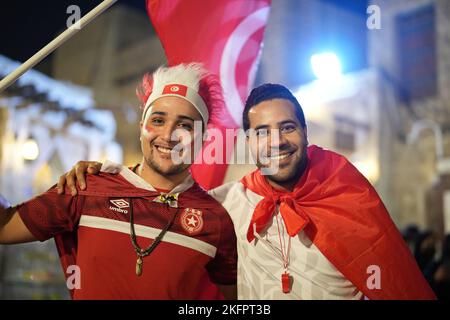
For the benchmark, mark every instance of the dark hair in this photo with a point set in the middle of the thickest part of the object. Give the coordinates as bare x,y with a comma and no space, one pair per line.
269,91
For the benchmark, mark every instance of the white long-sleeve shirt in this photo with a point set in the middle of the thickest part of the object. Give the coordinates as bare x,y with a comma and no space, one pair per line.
260,263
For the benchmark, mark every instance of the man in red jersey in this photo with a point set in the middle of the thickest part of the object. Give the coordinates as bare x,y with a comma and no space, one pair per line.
148,232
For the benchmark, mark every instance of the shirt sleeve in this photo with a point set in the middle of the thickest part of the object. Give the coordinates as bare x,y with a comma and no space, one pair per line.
50,213
223,268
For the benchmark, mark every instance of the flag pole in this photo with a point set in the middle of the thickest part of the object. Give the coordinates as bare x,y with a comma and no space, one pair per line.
54,44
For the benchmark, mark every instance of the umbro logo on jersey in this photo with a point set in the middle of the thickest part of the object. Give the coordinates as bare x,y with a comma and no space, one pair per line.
119,205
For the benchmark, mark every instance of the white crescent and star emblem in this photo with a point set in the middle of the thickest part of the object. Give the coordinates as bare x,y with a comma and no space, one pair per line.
174,89
230,58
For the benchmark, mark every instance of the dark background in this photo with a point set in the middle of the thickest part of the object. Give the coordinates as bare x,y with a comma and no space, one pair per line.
27,26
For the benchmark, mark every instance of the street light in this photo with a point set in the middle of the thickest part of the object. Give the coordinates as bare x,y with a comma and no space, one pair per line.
326,65
30,150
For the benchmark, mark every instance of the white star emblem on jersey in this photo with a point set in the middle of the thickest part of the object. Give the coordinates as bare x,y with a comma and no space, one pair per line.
192,221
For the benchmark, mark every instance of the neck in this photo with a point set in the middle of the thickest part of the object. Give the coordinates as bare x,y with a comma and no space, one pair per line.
283,186
158,180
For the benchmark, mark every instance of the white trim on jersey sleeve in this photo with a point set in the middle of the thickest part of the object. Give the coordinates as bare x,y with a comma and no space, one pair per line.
148,232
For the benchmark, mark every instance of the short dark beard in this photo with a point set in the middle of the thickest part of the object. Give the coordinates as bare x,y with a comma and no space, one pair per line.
174,170
295,177
292,180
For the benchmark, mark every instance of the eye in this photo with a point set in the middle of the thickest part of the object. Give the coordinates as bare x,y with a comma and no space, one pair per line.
186,126
157,121
288,128
262,132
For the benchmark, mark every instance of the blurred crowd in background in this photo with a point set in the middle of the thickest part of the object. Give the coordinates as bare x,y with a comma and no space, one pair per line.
433,257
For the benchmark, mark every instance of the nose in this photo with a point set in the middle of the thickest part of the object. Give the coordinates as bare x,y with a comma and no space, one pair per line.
277,140
167,130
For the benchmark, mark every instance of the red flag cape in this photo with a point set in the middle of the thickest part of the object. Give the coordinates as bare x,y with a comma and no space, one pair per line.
115,186
226,36
351,227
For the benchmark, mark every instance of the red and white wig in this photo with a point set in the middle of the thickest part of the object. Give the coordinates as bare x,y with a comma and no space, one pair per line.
191,82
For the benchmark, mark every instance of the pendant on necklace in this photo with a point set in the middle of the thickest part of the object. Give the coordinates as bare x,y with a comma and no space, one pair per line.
139,262
286,282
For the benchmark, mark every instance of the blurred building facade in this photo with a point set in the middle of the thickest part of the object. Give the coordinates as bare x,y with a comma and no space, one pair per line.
411,52
45,126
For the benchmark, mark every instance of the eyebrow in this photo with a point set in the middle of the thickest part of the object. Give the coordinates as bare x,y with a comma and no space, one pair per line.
286,122
266,126
179,117
186,118
160,113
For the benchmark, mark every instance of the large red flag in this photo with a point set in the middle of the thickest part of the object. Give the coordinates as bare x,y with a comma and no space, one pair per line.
225,35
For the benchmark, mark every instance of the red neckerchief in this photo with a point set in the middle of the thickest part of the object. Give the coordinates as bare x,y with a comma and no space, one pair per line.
294,216
344,217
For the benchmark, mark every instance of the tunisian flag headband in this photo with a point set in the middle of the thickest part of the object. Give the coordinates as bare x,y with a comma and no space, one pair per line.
179,81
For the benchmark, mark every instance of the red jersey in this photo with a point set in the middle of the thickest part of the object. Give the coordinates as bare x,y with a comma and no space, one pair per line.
92,230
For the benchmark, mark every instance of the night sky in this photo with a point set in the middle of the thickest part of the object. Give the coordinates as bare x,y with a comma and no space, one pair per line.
27,26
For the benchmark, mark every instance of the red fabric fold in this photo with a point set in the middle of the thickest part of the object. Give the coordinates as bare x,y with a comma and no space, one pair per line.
293,216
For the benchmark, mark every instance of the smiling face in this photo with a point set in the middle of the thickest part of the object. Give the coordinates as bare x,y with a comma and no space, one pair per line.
280,141
170,123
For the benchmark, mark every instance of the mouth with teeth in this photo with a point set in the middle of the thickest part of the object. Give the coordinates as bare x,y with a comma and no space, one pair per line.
163,150
278,157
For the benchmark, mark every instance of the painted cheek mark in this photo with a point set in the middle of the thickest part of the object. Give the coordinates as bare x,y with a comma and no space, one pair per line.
148,132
